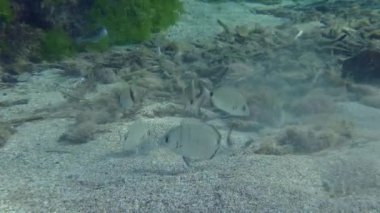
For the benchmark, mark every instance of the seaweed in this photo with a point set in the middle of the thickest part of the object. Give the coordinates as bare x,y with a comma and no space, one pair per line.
79,133
130,21
56,44
301,139
53,2
6,13
267,2
126,21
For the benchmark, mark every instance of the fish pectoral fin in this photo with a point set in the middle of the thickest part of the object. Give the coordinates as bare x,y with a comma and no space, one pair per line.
247,144
186,160
229,141
213,154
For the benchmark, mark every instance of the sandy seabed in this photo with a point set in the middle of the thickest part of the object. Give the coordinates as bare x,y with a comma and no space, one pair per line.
38,174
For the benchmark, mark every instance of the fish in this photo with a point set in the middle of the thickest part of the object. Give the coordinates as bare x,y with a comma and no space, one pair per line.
195,97
193,140
127,98
125,95
230,100
93,37
137,137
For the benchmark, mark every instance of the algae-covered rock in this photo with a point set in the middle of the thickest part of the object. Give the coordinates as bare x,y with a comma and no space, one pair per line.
134,20
363,67
125,21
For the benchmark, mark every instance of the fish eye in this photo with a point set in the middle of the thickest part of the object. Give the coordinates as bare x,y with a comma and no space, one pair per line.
244,108
211,94
191,101
167,139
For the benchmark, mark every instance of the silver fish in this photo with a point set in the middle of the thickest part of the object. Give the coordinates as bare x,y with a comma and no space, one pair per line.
127,98
93,37
230,100
193,140
125,95
138,134
195,99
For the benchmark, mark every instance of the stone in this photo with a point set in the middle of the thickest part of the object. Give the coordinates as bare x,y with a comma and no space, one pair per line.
363,67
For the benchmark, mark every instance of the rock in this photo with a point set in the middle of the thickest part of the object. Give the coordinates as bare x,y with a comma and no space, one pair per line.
8,78
363,67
